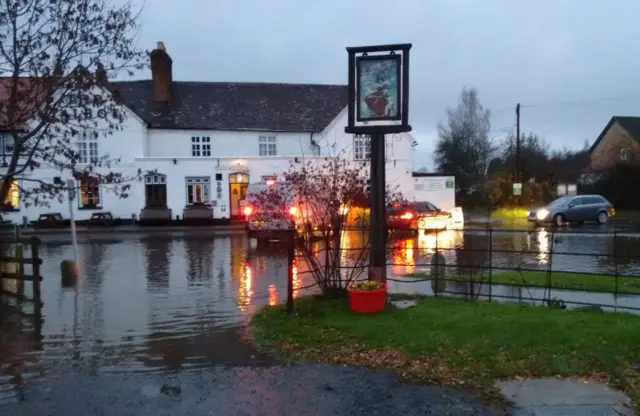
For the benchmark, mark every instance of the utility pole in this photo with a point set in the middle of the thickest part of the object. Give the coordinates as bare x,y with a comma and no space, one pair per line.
517,178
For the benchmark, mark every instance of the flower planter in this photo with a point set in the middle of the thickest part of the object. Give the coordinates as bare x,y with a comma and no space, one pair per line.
367,301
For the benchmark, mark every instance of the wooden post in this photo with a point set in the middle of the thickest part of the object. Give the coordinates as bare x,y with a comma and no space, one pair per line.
35,258
290,263
20,262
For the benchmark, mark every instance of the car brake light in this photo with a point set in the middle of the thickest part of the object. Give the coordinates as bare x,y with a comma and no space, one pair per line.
248,210
407,216
293,210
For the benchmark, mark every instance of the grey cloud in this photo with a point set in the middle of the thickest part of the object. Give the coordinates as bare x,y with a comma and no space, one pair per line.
565,56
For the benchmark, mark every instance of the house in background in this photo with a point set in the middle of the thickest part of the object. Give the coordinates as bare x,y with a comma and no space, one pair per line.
618,143
206,141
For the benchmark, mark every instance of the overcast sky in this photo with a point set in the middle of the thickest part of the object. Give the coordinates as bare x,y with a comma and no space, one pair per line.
572,64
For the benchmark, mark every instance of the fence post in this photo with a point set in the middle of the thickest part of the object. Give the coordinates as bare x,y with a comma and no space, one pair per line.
437,266
490,262
290,261
615,265
35,258
19,253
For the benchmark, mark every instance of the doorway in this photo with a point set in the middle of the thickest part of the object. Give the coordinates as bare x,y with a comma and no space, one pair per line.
238,184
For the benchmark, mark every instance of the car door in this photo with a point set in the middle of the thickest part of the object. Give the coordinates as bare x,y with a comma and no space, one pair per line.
573,212
592,207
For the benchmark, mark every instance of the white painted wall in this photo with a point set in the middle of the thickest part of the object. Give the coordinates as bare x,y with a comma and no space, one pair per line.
169,152
126,144
225,144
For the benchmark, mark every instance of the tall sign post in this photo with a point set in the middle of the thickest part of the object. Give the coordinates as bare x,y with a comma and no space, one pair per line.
378,105
71,185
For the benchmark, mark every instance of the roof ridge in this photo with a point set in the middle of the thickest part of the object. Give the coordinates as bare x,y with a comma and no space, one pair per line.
237,83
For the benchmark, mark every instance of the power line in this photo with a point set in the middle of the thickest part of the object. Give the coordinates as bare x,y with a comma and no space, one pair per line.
569,102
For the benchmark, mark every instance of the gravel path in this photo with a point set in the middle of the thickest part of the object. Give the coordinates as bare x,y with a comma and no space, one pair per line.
285,390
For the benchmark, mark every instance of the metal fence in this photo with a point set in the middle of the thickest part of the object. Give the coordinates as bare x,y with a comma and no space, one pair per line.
559,268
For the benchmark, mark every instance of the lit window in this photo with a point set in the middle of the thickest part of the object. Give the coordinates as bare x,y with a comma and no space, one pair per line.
201,146
87,148
267,145
361,147
89,194
155,190
12,200
198,190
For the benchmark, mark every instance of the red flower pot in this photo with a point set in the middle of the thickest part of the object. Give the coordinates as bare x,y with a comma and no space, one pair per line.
367,301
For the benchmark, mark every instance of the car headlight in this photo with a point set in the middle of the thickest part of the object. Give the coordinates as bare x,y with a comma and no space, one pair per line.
542,214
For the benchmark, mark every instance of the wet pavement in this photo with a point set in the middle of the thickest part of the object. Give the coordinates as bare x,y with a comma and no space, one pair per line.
176,307
287,390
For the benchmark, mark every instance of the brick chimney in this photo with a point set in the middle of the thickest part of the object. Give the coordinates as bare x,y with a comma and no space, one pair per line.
161,73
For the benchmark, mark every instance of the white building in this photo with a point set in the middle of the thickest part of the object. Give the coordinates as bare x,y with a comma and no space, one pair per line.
208,140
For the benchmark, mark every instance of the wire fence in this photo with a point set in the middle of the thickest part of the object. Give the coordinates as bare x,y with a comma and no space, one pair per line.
559,268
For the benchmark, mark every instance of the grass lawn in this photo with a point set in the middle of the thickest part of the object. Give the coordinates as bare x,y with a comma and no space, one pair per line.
559,280
510,213
469,344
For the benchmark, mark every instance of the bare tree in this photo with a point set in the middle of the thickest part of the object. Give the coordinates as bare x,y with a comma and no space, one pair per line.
56,58
325,197
464,147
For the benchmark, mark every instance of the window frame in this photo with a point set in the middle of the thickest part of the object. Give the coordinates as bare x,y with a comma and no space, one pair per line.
152,184
194,182
13,188
88,150
623,154
97,205
267,146
361,147
200,146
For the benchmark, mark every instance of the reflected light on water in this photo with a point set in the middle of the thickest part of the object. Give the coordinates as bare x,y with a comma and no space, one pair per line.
273,295
245,292
543,246
440,240
296,281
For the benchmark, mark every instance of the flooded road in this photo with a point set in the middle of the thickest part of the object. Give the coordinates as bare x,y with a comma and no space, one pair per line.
180,303
145,305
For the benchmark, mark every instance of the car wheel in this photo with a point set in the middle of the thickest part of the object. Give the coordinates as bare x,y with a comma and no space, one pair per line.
558,220
602,218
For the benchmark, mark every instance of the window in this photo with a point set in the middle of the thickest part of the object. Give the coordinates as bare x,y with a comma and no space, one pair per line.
6,141
624,155
12,201
155,190
201,146
89,194
593,200
361,147
198,190
88,150
267,145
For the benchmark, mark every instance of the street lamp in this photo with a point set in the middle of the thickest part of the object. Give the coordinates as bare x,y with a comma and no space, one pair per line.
378,105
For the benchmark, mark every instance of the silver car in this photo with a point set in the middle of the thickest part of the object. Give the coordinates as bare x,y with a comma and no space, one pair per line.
577,208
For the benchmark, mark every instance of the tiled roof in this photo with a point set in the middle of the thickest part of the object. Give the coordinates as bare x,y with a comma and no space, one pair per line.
630,124
236,106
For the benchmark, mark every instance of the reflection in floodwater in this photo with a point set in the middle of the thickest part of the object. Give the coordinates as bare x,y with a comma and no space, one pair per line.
173,303
149,304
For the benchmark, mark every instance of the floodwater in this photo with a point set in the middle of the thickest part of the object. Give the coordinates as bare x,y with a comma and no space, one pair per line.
175,303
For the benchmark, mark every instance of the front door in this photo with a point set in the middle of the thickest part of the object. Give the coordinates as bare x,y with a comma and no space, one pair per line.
238,184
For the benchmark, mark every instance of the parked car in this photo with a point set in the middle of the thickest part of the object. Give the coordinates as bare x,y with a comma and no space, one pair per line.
577,208
273,216
417,216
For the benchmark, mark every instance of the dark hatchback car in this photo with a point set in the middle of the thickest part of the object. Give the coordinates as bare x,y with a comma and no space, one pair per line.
578,208
415,216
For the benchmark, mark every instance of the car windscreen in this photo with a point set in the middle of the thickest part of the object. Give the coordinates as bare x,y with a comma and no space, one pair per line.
561,202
